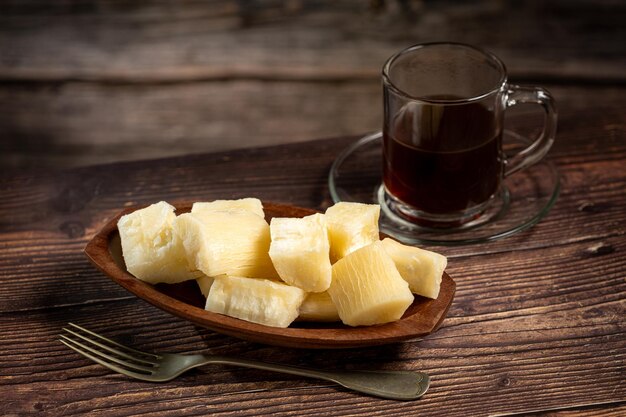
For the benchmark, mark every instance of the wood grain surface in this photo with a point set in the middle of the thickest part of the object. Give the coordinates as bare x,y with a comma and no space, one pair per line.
87,82
537,326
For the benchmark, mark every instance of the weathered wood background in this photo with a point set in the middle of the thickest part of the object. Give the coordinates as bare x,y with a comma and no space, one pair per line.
537,327
85,82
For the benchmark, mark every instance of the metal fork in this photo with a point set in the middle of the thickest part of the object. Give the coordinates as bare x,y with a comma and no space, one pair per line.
160,367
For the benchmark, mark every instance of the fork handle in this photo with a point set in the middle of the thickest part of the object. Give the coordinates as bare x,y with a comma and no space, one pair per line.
396,385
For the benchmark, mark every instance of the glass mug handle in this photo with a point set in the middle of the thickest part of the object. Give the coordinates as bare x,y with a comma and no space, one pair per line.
539,148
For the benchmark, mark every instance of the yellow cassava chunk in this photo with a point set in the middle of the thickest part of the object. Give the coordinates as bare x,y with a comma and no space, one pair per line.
422,269
367,288
318,306
299,250
256,300
351,226
243,205
220,242
152,251
205,283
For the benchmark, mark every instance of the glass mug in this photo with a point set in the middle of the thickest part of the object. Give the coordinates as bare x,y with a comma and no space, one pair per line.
444,105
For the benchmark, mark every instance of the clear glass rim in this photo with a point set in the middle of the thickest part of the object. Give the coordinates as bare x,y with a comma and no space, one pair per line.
390,85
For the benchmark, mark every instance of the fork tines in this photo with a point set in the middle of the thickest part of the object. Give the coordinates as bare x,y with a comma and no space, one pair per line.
108,353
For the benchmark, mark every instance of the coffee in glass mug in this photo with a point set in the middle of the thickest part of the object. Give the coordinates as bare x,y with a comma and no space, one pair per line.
444,106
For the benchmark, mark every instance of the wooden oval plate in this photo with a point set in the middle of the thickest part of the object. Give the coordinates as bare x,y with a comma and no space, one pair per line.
185,300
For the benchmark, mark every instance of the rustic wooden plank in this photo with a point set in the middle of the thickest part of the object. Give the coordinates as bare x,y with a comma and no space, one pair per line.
67,126
126,42
84,84
46,220
523,326
49,264
534,315
525,321
600,410
77,124
110,188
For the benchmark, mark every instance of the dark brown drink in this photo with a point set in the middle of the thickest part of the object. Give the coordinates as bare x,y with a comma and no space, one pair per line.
443,159
444,106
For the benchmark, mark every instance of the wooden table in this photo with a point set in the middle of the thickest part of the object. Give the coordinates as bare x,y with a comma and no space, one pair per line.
537,326
87,83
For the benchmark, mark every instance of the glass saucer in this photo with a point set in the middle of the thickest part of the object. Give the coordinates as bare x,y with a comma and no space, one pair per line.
524,199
